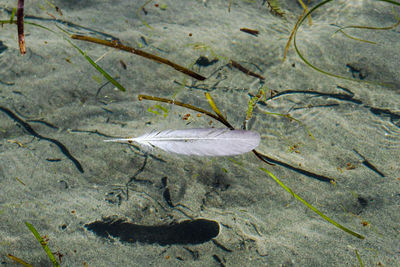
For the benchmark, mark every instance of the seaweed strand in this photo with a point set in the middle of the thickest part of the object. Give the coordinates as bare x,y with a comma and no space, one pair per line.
319,69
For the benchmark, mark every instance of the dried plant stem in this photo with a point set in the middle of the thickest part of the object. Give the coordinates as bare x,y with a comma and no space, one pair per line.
139,53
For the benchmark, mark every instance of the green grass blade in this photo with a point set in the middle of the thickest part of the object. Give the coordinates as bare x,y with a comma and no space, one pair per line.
359,259
312,207
391,2
99,69
94,64
43,244
13,14
352,37
18,260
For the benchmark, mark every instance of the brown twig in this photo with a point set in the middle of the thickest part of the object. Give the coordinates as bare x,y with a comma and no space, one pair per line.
244,70
139,53
20,25
250,31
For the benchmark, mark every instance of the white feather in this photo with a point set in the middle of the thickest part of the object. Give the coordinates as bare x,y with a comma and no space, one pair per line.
199,142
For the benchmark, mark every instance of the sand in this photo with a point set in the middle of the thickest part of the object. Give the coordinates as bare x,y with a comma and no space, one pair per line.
54,90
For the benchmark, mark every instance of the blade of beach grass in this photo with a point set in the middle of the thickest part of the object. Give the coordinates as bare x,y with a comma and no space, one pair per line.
291,36
215,109
306,10
20,261
94,64
99,69
352,37
12,15
359,259
312,207
341,29
43,244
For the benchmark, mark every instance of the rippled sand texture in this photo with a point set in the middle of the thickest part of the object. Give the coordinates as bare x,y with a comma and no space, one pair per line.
60,98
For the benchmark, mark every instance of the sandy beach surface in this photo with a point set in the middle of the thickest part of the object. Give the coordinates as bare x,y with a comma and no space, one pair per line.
110,204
